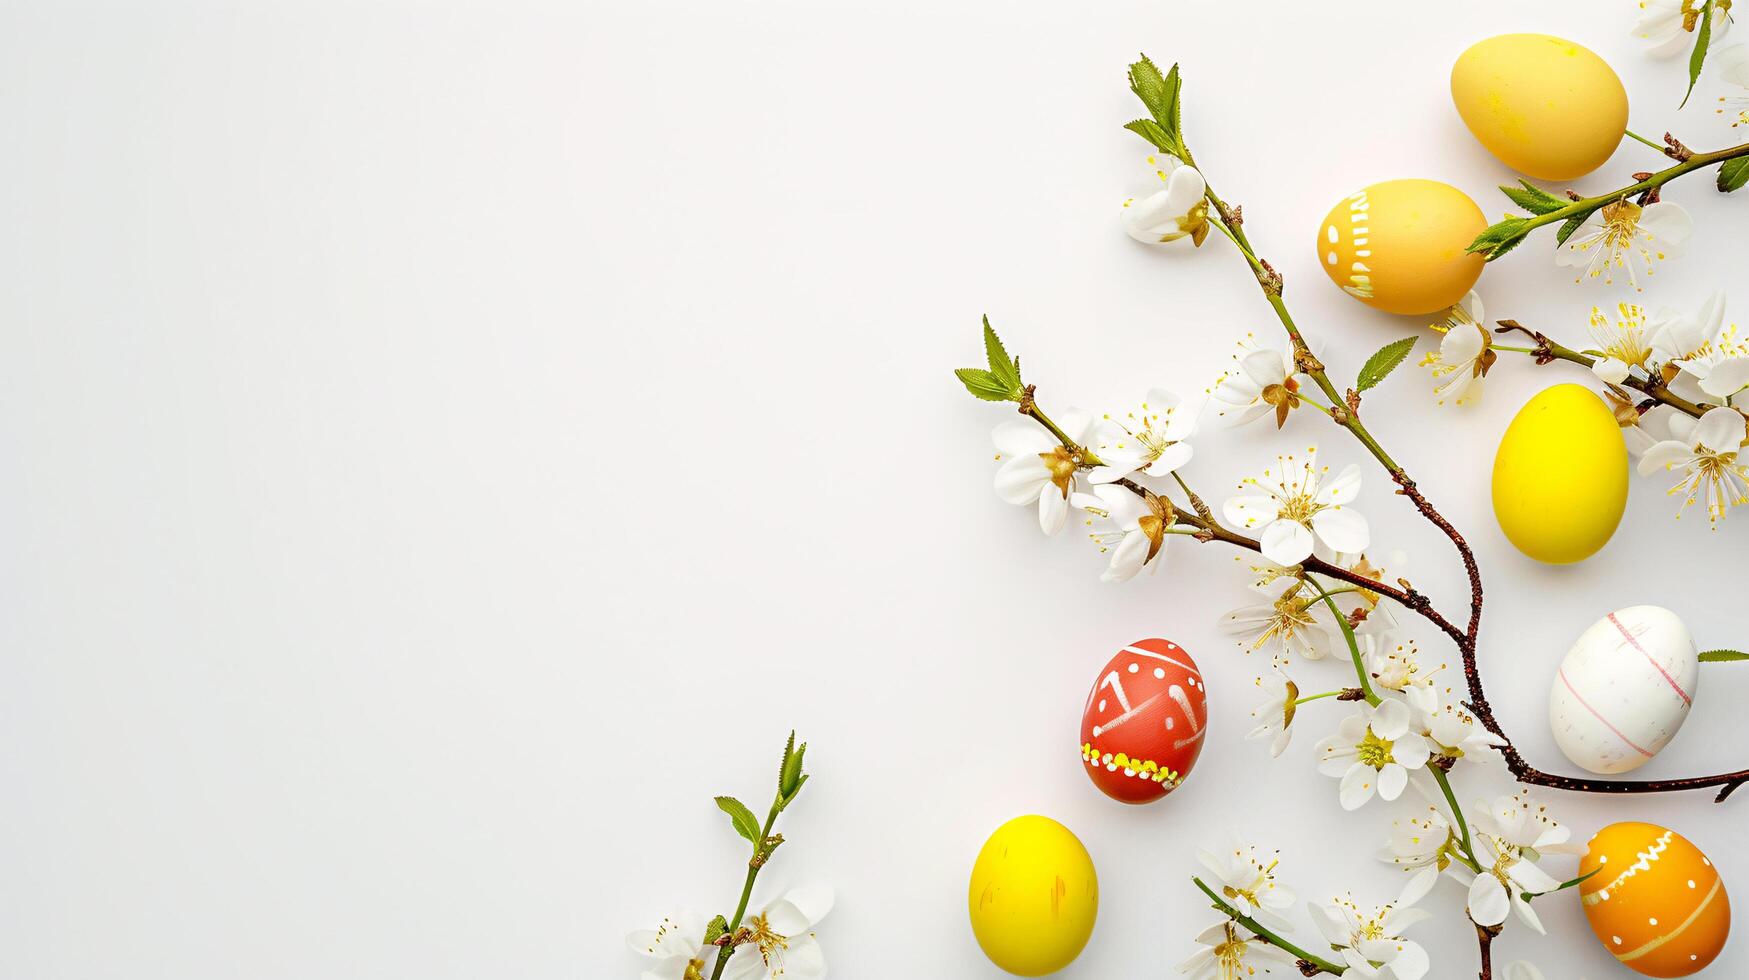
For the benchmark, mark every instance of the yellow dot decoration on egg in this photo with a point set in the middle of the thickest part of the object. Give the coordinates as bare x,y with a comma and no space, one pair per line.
1399,246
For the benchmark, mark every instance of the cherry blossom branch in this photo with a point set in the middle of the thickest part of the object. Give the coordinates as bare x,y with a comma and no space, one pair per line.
1309,965
1503,236
1548,351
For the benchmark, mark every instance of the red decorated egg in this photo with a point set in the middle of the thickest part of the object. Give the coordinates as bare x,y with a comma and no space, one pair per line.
1143,726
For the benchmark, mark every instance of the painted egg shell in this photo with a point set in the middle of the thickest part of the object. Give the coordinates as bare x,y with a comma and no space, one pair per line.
1624,689
1546,107
1656,902
1033,897
1561,476
1142,728
1399,246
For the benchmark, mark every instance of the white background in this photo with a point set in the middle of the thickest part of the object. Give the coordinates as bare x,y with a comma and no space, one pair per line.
443,445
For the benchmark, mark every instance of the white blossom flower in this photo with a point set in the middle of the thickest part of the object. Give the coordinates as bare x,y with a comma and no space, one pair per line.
1455,734
1153,440
1038,469
1248,883
1361,606
1292,619
1705,453
1394,667
1668,25
1616,235
1275,715
1131,528
1512,835
782,947
1365,939
1291,509
1373,751
1690,348
1466,352
1175,211
1623,343
1659,424
1232,952
1425,847
1263,383
677,946
1732,68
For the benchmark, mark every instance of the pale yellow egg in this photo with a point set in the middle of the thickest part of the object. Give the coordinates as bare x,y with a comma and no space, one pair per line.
1033,896
1545,106
1561,476
1399,246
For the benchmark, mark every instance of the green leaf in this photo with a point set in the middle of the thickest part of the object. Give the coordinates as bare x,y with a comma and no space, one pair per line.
1527,896
1160,94
1722,656
1006,369
983,384
790,779
1734,174
1496,233
1383,362
784,803
1570,226
1150,130
1703,37
715,929
745,823
1502,248
1533,198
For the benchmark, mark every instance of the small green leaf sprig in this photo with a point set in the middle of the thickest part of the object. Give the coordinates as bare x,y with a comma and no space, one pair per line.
727,933
1571,211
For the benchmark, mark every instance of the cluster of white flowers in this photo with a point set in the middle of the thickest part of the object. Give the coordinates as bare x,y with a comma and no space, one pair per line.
1370,941
778,944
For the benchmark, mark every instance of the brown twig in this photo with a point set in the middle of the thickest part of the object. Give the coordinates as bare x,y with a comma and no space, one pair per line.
1485,938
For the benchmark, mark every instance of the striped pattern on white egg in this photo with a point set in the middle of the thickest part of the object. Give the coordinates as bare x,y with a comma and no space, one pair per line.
1624,689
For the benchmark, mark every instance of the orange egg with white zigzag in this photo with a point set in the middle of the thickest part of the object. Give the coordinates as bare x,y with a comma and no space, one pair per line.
1656,902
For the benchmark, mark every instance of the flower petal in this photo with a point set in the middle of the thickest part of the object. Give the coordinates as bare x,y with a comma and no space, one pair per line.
1390,720
1668,225
1286,542
1053,509
1021,478
1342,528
1393,778
1726,378
1488,903
1341,489
1359,784
1019,437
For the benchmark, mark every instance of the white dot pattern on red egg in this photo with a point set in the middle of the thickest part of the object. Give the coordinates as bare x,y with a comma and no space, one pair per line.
1143,726
1624,689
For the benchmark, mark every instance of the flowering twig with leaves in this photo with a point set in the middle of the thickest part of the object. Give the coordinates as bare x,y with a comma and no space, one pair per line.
774,942
1402,732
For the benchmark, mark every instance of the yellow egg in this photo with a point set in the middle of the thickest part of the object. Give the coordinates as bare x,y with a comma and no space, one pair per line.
1561,476
1033,896
1546,107
1654,900
1399,246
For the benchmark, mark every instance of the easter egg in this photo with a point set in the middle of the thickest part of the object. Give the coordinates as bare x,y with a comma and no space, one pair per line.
1399,246
1546,107
1142,728
1033,897
1624,689
1561,476
1656,902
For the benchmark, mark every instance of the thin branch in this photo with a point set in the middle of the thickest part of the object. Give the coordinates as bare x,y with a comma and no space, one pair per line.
1547,351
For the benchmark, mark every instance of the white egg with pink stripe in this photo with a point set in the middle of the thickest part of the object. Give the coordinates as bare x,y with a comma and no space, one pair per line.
1624,689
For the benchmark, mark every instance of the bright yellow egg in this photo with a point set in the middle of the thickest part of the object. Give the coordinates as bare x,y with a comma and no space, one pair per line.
1546,107
1654,900
1561,476
1033,897
1399,246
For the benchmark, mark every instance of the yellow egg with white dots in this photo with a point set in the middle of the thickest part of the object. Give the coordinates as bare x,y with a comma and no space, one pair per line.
1400,246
